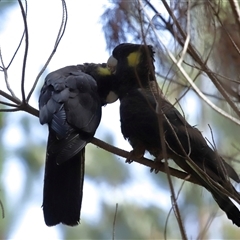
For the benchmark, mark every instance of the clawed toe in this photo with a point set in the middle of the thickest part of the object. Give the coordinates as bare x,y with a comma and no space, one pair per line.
156,160
154,170
134,154
129,159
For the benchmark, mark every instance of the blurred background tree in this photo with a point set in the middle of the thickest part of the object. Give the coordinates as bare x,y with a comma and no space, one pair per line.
204,37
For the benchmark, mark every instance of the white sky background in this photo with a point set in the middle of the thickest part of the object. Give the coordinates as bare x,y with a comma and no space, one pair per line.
82,42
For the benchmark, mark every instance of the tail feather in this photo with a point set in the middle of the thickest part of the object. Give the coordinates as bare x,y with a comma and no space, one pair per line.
63,190
228,207
224,202
231,172
222,199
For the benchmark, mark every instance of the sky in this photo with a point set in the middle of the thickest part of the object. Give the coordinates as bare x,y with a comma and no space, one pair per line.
83,42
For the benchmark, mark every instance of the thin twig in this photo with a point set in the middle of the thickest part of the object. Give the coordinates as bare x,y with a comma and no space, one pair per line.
187,41
160,115
226,31
20,43
194,86
9,109
175,204
4,69
166,223
8,104
216,74
219,160
173,197
201,95
236,11
207,226
9,97
226,190
25,52
3,213
114,222
58,40
196,56
197,90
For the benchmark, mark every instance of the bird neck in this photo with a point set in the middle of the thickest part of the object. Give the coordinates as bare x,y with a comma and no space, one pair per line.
128,82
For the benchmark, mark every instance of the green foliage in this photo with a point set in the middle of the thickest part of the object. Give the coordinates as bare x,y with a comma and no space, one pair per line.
103,166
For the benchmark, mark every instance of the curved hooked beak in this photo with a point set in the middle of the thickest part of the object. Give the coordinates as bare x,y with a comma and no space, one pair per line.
111,97
112,64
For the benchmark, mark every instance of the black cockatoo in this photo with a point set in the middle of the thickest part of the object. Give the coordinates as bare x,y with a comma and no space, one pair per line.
150,122
70,103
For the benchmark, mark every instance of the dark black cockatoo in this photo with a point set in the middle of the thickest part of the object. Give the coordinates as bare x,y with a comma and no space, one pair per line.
152,123
70,103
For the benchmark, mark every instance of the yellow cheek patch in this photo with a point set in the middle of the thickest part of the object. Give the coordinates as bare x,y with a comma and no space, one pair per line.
133,59
103,71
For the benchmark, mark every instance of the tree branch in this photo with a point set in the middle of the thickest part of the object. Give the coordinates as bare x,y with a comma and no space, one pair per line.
4,69
26,50
193,85
11,98
236,11
144,161
195,55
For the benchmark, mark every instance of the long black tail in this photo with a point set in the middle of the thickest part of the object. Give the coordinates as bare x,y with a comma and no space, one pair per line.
222,199
63,190
228,207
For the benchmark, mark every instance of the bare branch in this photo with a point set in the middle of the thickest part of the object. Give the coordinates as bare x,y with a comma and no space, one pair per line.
16,51
8,104
2,208
209,221
26,50
144,161
201,95
174,203
9,109
236,11
58,40
114,221
20,43
187,41
166,223
4,69
11,98
196,56
226,189
194,86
